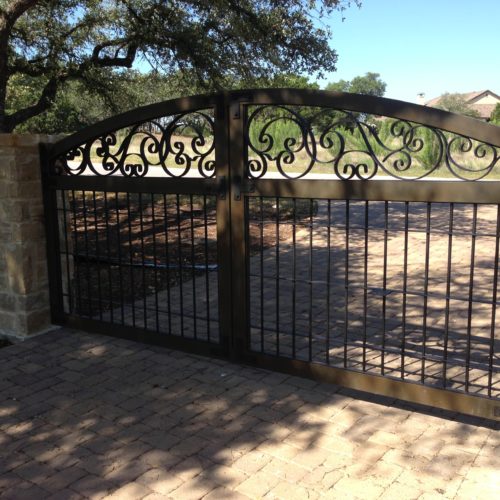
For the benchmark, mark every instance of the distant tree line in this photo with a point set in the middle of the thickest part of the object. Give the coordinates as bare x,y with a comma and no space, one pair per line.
80,104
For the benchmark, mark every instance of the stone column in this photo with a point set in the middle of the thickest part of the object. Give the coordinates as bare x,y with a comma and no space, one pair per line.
24,294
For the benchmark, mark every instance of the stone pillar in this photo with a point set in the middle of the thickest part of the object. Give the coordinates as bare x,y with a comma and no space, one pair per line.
24,293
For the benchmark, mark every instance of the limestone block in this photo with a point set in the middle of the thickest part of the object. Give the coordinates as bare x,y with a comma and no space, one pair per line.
24,294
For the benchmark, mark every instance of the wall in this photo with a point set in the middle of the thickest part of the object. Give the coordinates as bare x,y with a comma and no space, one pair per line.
24,296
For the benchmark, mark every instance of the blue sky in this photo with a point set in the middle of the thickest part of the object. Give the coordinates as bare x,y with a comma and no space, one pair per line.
430,46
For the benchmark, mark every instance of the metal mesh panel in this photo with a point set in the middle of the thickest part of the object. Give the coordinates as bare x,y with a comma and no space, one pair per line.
400,289
145,260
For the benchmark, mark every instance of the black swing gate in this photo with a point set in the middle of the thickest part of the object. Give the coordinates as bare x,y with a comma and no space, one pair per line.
343,237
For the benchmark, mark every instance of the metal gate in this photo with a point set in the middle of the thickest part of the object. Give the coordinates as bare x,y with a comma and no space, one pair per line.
343,237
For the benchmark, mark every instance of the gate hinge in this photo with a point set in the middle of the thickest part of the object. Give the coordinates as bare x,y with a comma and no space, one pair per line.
222,187
235,111
235,106
242,186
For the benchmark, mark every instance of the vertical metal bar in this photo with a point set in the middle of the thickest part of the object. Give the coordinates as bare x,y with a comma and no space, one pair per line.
193,273
471,297
246,236
108,256
155,260
86,246
328,284
131,260
223,144
346,281
52,239
181,267
77,265
384,288
426,290
167,261
66,249
294,278
143,261
405,285
365,286
238,153
311,226
448,288
98,260
494,305
277,229
261,274
207,281
119,254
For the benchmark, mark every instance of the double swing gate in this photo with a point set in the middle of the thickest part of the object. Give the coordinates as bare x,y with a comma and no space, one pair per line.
348,238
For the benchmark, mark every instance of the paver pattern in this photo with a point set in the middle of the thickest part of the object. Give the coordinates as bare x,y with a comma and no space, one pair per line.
88,416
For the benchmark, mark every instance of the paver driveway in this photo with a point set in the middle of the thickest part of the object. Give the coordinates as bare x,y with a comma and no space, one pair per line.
87,416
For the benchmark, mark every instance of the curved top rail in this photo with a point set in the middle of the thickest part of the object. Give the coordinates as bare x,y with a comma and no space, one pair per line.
157,136
134,116
393,108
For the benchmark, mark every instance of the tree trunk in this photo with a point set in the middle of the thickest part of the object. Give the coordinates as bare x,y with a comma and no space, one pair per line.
9,14
4,76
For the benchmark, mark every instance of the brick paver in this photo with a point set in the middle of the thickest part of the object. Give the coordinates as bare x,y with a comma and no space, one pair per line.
87,416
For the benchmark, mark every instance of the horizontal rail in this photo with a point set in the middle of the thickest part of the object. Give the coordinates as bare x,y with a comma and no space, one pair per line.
375,384
145,336
104,261
135,184
379,190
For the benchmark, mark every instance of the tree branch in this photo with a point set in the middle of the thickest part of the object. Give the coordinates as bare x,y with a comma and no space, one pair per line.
44,102
106,61
13,11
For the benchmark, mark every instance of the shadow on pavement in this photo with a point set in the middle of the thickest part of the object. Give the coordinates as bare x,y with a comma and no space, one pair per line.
86,416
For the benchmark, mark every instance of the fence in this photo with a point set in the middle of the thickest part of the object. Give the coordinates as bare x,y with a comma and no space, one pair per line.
345,237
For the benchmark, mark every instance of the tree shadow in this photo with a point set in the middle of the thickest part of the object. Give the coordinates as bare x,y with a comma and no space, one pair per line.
89,414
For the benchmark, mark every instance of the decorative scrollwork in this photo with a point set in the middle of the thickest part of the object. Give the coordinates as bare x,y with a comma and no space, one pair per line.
285,142
293,142
172,146
271,144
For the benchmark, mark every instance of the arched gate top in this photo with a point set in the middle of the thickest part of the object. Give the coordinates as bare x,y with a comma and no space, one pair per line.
324,121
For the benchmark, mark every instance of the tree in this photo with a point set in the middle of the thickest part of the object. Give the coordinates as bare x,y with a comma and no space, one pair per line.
495,115
456,103
56,42
369,84
76,106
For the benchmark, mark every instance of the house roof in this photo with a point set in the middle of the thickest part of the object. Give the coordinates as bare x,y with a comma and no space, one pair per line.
484,110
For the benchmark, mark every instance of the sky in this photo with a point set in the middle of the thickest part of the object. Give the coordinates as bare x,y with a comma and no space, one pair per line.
429,46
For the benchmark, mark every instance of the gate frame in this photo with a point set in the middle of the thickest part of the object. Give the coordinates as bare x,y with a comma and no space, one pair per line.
233,188
217,186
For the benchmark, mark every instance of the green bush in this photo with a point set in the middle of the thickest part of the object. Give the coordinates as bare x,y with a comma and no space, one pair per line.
495,115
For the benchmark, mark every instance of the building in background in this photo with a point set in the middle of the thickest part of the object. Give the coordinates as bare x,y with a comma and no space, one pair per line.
483,102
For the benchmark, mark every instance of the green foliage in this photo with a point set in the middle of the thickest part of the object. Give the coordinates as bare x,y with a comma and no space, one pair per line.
369,84
282,80
495,115
77,105
280,128
201,45
429,155
456,103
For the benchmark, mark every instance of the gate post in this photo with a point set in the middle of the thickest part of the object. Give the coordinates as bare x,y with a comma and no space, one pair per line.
237,155
221,131
24,296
